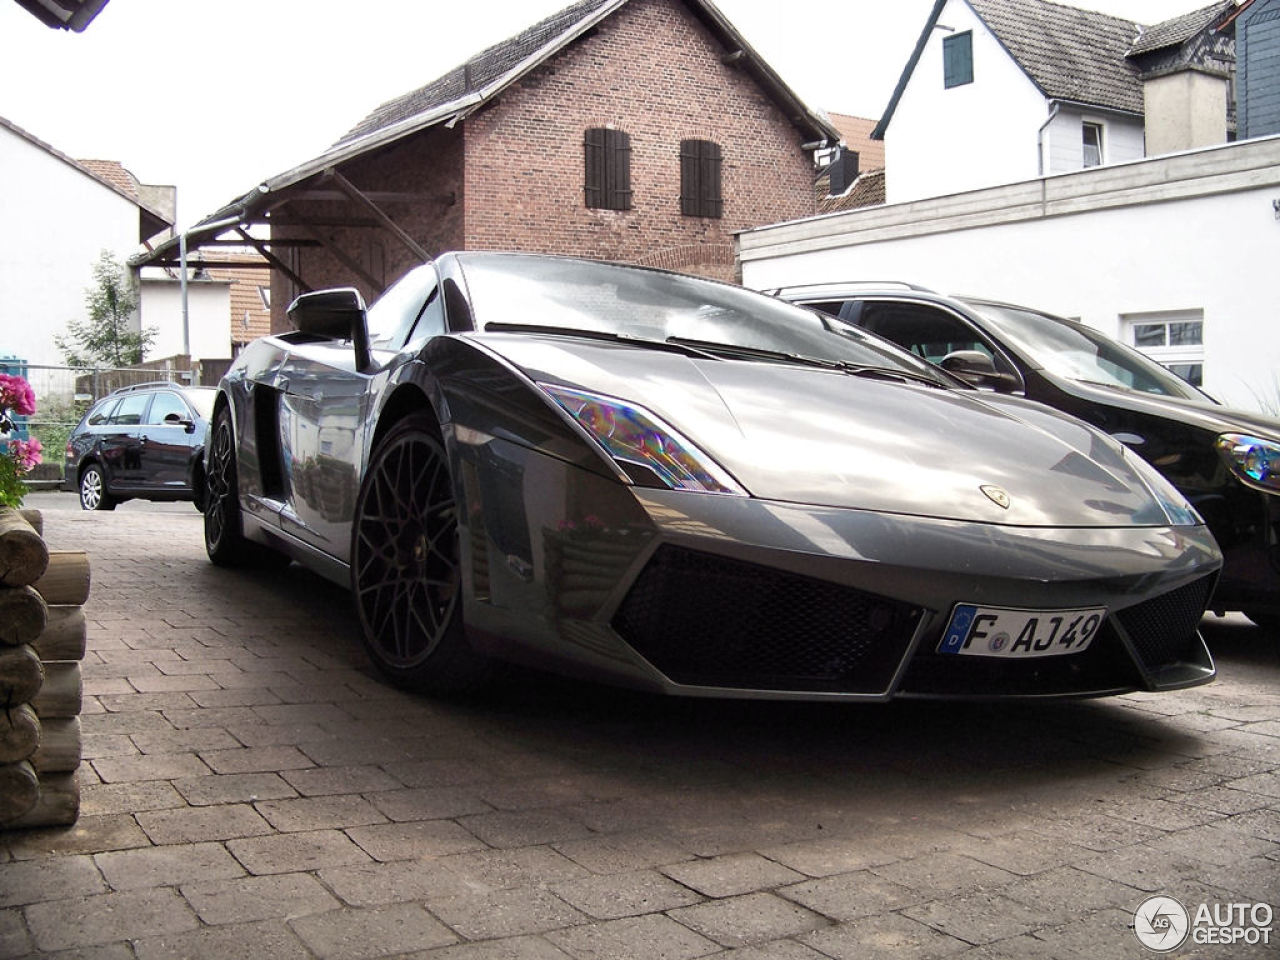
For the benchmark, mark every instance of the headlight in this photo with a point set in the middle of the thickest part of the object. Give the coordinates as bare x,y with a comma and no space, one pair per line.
1176,507
1254,460
634,436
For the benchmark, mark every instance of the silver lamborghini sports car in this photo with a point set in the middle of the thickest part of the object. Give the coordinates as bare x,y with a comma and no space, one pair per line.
688,487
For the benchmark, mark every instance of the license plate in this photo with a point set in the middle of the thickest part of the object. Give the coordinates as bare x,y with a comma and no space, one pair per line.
1017,634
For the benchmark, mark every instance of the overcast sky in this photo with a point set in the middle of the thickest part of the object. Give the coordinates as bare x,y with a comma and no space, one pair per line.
216,97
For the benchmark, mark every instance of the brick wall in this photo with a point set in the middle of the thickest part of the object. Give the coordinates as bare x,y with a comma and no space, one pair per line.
654,71
514,169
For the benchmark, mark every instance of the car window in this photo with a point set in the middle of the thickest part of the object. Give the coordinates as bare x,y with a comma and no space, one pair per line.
926,331
396,313
129,411
1076,352
165,403
102,412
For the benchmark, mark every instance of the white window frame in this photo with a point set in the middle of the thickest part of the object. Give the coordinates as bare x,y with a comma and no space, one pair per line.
1084,154
1167,355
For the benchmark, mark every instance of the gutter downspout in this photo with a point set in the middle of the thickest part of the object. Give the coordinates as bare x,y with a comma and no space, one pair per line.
1054,107
182,274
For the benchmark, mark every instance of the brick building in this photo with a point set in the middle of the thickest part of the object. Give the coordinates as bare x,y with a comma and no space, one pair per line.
645,131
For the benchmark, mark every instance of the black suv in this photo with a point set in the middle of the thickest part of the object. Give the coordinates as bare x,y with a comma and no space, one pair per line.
144,441
1226,462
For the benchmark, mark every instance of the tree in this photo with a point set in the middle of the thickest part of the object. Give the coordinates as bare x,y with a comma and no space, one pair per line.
105,338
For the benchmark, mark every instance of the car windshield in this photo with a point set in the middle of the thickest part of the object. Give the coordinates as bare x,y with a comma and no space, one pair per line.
202,399
1075,352
603,299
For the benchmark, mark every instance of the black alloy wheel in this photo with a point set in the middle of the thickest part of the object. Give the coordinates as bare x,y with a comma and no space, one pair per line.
223,536
93,490
406,571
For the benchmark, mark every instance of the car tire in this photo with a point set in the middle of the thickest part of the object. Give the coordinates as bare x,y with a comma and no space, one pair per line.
93,490
224,539
406,569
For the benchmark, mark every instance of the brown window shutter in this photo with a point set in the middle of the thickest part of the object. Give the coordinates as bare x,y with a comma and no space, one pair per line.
700,162
712,203
620,182
593,151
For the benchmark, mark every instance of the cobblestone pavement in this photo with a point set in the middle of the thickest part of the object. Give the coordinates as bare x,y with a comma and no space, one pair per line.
250,789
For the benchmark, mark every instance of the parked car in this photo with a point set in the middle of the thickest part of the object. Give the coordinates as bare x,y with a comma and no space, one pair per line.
1226,462
144,441
688,487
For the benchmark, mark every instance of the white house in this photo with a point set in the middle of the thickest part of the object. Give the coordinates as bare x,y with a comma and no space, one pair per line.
60,216
1000,91
1190,236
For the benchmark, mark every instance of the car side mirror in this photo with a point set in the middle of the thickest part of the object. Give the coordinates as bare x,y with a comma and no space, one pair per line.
177,420
338,314
977,368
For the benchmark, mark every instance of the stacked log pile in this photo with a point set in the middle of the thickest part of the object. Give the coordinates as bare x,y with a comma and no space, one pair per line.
42,641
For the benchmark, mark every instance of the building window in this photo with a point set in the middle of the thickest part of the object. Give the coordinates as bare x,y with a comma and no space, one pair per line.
700,179
957,59
607,154
1092,139
1175,341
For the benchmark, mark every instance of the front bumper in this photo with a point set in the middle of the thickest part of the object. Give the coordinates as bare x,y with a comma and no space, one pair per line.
707,595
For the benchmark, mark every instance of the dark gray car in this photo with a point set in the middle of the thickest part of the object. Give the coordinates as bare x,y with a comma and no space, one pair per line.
688,487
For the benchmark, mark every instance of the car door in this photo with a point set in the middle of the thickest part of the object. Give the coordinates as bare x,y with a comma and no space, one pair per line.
120,447
167,437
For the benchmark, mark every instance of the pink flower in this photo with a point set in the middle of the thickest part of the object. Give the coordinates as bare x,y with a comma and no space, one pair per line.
26,453
16,395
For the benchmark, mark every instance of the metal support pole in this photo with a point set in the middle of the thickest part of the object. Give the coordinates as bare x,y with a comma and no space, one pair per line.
182,273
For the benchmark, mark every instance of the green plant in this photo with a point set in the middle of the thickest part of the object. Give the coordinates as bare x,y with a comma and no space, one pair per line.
18,456
105,338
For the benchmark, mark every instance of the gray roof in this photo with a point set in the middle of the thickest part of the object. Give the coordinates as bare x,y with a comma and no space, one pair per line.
1180,29
477,73
1068,53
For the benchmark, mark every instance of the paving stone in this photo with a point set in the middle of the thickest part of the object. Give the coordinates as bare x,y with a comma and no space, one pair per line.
259,734
428,803
823,858
31,881
977,918
731,875
523,829
108,917
437,772
296,852
167,866
849,896
625,894
90,834
655,936
194,824
944,874
129,724
486,870
322,781
408,841
105,798
1225,801
156,766
1096,832
623,853
185,741
319,813
14,940
248,940
374,884
1104,935
159,683
514,948
233,788
249,899
777,950
1213,844
888,936
348,934
506,913
744,920
255,759
245,694
129,702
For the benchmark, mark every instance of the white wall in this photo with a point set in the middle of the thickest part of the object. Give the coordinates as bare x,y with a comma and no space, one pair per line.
57,220
1193,231
942,141
208,317
1122,140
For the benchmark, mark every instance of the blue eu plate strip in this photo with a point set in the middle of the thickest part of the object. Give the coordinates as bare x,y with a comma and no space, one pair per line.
958,628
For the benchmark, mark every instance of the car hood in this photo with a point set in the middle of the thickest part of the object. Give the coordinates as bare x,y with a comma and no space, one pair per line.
808,435
1205,415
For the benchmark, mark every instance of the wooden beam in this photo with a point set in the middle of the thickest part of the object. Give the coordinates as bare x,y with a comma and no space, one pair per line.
377,196
347,187
261,247
346,259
